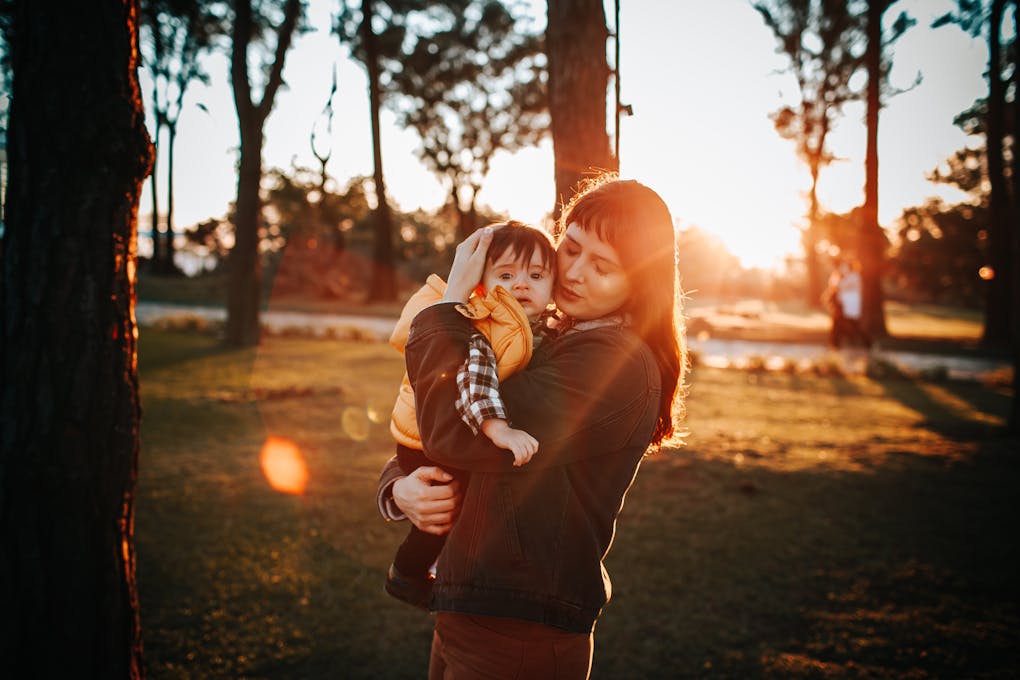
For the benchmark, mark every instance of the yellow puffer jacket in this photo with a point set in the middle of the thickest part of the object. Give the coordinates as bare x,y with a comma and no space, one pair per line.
497,316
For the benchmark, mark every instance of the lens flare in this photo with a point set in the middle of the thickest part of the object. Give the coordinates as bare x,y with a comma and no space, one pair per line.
283,466
378,413
355,423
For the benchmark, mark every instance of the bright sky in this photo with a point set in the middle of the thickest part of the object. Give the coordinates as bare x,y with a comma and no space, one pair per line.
702,78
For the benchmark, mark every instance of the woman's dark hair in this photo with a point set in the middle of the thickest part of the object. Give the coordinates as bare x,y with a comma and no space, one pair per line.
636,222
523,240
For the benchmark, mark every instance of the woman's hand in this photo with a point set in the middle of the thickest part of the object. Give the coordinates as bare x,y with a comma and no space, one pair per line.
466,272
430,497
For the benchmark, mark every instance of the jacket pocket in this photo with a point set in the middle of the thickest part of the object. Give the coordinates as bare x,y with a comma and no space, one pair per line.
510,531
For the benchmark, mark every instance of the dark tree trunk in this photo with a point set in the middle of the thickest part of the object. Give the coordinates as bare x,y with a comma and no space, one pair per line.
873,241
78,154
578,81
245,267
383,286
997,299
157,237
171,266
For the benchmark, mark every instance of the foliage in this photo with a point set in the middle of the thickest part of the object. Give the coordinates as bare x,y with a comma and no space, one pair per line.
468,77
298,205
823,42
941,251
174,34
6,43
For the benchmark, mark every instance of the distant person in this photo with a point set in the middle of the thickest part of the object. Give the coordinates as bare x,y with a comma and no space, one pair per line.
845,290
521,580
508,312
833,305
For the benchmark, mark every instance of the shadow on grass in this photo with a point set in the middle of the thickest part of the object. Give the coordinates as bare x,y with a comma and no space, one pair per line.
906,572
165,349
987,400
949,420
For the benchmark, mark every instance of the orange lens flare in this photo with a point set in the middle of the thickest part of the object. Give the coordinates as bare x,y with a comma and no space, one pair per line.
283,466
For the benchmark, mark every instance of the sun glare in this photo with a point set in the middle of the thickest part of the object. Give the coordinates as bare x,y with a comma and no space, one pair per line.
283,466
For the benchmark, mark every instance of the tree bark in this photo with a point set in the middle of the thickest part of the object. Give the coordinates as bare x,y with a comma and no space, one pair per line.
997,298
245,282
873,241
383,286
78,154
578,83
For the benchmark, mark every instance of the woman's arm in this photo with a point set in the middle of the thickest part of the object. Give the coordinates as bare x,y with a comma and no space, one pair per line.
429,497
596,393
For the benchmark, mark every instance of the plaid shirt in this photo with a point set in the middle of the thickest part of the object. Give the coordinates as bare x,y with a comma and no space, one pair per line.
478,376
478,382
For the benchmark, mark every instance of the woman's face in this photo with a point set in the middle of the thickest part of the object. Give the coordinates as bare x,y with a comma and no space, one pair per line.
591,281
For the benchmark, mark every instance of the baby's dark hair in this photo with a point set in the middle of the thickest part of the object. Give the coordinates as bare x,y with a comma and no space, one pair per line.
523,240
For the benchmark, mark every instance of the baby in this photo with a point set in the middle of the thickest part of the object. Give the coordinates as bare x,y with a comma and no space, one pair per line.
508,312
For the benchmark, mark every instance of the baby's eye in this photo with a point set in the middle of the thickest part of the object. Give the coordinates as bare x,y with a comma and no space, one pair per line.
505,276
537,276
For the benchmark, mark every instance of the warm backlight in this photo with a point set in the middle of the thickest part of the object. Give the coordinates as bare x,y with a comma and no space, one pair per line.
283,466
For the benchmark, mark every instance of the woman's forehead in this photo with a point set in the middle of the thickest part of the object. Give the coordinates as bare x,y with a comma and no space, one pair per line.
589,240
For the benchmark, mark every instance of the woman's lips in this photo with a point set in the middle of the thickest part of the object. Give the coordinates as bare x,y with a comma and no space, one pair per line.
569,295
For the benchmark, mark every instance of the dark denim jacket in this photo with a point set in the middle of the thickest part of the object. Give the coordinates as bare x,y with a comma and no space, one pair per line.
530,541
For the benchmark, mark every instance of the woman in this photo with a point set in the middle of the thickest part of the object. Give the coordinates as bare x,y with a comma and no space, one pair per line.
521,582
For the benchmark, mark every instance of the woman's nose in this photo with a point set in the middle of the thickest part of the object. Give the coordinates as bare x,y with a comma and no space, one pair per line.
573,271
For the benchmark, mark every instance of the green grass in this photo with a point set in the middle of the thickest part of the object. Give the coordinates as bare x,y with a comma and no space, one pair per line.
813,527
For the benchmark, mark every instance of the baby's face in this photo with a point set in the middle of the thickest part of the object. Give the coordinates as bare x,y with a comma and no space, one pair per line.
531,283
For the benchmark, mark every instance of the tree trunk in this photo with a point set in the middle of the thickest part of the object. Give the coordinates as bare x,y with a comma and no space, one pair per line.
157,238
245,283
997,298
171,266
578,82
873,240
809,239
245,265
78,154
384,282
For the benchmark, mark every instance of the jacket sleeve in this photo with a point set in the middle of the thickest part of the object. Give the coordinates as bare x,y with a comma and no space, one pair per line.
389,475
596,393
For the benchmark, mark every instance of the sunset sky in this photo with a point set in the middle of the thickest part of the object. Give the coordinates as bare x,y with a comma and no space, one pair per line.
702,79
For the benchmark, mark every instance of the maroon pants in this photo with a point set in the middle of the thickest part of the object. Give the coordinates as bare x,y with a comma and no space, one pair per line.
469,647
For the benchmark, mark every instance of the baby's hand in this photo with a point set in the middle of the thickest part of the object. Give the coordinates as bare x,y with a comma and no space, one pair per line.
518,442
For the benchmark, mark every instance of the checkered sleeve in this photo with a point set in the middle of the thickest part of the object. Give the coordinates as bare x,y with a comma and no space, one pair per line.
478,383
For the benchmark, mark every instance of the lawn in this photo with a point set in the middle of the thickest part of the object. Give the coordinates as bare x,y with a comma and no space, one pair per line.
813,527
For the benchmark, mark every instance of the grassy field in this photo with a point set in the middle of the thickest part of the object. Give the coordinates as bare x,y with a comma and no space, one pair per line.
814,527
